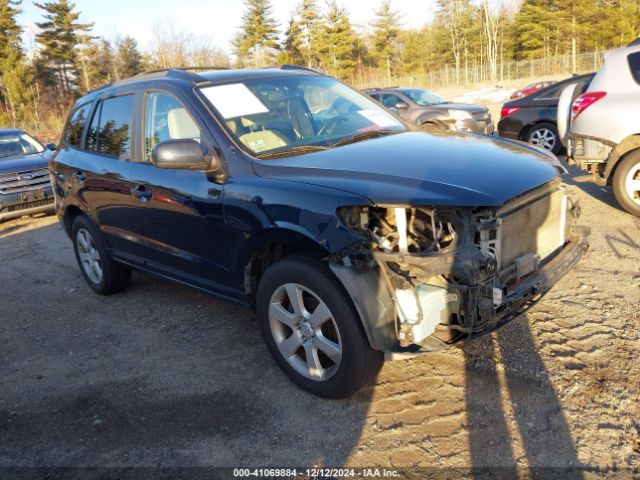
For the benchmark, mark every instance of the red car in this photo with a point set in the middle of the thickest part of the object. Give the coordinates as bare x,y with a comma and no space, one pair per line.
531,88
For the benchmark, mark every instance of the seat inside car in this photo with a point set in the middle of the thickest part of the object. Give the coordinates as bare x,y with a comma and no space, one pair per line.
181,125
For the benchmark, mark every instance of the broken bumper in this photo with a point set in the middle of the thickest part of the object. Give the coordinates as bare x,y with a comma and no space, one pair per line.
376,302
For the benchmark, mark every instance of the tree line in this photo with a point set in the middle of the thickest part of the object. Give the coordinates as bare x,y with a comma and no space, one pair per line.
38,87
461,35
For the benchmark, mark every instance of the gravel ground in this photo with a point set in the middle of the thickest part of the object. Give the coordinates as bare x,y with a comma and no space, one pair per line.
163,376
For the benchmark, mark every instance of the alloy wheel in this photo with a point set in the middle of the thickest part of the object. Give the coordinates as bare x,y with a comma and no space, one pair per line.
305,331
632,183
543,137
89,256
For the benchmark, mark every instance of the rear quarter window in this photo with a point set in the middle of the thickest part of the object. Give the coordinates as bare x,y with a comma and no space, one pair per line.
73,134
634,66
110,129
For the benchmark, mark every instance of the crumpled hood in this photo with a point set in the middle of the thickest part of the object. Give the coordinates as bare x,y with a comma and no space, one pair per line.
21,163
421,168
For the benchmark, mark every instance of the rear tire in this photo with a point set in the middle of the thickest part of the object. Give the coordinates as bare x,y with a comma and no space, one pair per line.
103,275
312,329
545,135
626,183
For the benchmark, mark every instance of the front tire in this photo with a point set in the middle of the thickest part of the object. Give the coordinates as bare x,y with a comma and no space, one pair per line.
626,183
312,329
545,135
102,274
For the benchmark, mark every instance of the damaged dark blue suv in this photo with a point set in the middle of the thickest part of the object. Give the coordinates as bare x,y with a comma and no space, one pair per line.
354,238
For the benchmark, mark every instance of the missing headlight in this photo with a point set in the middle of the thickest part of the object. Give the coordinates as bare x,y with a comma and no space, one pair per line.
400,229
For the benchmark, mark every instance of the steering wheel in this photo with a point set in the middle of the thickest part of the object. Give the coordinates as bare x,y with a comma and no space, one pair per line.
331,124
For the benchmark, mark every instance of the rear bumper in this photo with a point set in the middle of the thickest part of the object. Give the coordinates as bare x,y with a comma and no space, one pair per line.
590,154
26,203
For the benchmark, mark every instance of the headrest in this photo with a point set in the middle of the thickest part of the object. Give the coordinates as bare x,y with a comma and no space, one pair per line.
181,125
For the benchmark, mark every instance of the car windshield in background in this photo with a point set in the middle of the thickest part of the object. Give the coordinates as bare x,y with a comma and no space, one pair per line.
292,115
17,143
423,97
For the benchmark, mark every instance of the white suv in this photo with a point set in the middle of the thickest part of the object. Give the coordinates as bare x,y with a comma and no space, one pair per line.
604,132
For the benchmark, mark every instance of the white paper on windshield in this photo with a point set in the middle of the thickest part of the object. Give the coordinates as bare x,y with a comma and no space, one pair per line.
234,100
380,118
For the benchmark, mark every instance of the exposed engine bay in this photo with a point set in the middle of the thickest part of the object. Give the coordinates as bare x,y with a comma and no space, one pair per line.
425,277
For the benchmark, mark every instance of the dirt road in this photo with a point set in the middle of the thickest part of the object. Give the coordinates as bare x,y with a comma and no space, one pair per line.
164,376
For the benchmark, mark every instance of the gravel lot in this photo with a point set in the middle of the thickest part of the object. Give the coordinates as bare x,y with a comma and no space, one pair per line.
163,376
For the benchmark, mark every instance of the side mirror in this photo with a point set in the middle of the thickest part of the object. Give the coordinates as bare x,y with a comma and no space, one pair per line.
183,154
51,146
401,105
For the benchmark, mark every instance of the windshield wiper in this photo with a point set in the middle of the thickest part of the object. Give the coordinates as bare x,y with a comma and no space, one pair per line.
363,136
299,150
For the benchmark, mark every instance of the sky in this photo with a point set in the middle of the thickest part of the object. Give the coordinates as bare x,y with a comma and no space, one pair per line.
217,20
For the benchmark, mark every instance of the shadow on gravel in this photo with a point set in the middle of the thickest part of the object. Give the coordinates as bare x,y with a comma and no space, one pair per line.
602,194
514,388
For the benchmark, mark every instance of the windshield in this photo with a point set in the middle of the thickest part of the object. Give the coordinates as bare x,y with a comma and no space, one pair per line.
423,97
291,115
18,143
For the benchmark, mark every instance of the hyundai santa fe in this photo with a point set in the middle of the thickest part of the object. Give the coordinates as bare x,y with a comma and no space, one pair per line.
354,238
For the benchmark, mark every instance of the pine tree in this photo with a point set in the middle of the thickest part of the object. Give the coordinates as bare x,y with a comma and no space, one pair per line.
9,29
16,77
60,34
309,21
337,42
292,49
128,58
386,28
257,38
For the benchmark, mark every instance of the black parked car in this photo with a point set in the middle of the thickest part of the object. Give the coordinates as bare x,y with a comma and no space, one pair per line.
286,190
25,187
533,118
421,107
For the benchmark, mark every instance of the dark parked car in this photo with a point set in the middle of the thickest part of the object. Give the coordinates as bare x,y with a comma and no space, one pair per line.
286,190
421,107
25,187
533,118
531,88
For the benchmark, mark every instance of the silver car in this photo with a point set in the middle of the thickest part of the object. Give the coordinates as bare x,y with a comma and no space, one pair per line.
602,126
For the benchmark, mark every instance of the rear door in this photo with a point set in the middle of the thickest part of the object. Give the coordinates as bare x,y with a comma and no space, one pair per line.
180,217
101,166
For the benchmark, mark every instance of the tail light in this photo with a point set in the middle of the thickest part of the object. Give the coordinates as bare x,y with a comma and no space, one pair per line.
506,111
584,101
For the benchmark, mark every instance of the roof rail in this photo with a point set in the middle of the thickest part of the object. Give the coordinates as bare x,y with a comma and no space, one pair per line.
287,66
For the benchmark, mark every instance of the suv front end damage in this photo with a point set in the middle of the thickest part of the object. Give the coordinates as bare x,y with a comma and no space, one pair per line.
426,277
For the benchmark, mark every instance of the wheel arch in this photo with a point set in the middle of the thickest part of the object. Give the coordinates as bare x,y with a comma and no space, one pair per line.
71,212
625,147
264,249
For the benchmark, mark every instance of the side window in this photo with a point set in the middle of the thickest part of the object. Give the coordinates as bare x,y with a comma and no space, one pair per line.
73,135
110,128
634,66
166,119
390,101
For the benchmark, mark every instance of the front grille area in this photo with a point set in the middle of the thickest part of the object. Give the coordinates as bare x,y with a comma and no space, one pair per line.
24,181
27,205
535,228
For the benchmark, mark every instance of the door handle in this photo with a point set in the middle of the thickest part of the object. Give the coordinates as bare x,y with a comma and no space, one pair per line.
141,193
80,176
